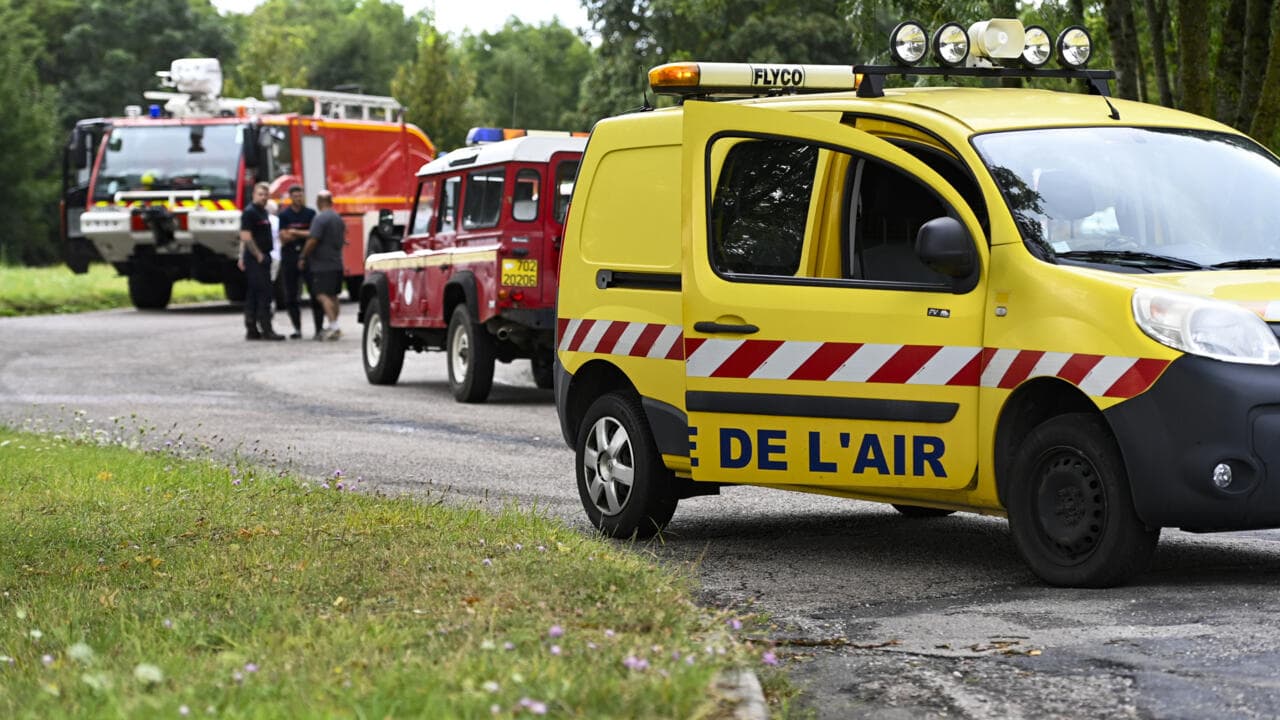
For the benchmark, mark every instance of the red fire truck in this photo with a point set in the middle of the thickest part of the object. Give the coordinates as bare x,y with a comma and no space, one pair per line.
478,270
164,190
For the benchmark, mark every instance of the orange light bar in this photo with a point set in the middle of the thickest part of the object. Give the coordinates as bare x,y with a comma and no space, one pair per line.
673,75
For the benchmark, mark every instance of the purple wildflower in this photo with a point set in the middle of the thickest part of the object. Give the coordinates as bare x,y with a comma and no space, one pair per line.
769,658
555,631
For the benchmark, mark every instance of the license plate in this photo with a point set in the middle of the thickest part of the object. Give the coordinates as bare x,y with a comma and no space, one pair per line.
520,273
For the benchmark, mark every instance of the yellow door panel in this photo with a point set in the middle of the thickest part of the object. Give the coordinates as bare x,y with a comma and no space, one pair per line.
803,364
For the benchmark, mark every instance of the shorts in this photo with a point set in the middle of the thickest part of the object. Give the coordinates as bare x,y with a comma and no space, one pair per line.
326,282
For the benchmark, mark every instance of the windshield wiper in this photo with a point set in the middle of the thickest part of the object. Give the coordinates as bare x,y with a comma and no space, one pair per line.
1247,263
1132,258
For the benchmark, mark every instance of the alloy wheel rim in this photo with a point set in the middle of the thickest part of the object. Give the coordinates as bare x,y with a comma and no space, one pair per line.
461,355
609,465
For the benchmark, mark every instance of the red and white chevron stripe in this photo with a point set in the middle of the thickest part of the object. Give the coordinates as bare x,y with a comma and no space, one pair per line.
1096,375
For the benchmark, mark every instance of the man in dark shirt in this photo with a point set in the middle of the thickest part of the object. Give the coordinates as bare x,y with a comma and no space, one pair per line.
295,222
323,256
255,260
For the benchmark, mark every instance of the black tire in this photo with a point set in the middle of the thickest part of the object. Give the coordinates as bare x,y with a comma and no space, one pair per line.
645,506
543,366
235,289
1070,509
915,511
382,346
470,355
150,291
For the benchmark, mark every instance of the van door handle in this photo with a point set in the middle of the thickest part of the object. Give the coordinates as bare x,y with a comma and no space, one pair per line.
715,328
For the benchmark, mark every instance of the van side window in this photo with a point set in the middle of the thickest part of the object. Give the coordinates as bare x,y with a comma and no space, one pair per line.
482,204
449,205
761,207
566,172
524,198
422,213
886,209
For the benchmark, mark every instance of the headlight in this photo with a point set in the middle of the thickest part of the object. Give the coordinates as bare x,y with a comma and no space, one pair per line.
1201,326
908,43
1074,47
951,45
1037,47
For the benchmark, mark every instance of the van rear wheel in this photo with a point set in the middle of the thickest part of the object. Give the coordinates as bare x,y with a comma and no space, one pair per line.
1070,509
150,290
471,356
624,487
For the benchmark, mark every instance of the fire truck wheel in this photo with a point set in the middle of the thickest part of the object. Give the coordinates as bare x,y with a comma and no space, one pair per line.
625,488
915,511
150,290
383,346
470,358
1070,510
543,365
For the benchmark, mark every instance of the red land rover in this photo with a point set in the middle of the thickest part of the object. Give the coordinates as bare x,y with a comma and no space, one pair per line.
477,271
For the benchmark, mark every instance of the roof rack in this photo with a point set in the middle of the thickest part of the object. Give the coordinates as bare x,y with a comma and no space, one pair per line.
871,77
341,105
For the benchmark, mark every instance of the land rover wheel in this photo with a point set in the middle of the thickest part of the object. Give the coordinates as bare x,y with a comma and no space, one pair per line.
150,290
916,511
625,488
1070,510
470,358
543,366
383,346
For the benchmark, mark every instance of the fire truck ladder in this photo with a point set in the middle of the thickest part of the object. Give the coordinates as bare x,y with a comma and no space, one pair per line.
342,105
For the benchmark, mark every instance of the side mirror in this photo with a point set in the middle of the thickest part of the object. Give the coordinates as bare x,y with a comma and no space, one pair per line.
945,246
79,149
252,146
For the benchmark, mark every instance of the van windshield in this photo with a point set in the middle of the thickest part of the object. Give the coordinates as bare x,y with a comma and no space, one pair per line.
170,157
1154,199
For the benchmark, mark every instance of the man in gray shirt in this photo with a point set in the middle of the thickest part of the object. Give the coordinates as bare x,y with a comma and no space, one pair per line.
323,254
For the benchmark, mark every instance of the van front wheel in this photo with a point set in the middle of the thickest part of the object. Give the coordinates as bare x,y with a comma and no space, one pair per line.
1070,509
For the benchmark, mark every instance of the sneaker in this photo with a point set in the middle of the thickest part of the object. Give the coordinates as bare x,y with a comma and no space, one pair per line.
253,335
295,335
333,334
272,336
318,336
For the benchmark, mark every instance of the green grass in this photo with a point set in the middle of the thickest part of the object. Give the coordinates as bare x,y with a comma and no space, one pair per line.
44,290
137,584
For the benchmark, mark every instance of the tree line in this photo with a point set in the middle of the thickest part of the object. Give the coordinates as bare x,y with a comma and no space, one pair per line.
63,60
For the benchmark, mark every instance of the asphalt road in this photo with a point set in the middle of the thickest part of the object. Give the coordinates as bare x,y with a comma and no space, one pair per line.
880,616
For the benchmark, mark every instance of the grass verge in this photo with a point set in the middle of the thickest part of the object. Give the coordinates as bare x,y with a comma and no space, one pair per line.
45,290
142,584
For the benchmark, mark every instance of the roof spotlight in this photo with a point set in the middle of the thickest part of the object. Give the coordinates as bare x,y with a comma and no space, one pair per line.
951,44
1074,47
908,43
1038,47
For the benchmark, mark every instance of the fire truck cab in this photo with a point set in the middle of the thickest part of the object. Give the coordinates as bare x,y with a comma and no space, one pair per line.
165,188
478,270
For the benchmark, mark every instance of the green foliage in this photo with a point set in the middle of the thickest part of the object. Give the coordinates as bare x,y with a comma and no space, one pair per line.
104,53
528,76
438,90
153,585
27,142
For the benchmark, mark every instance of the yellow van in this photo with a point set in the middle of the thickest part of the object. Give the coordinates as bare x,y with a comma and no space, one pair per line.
1056,307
